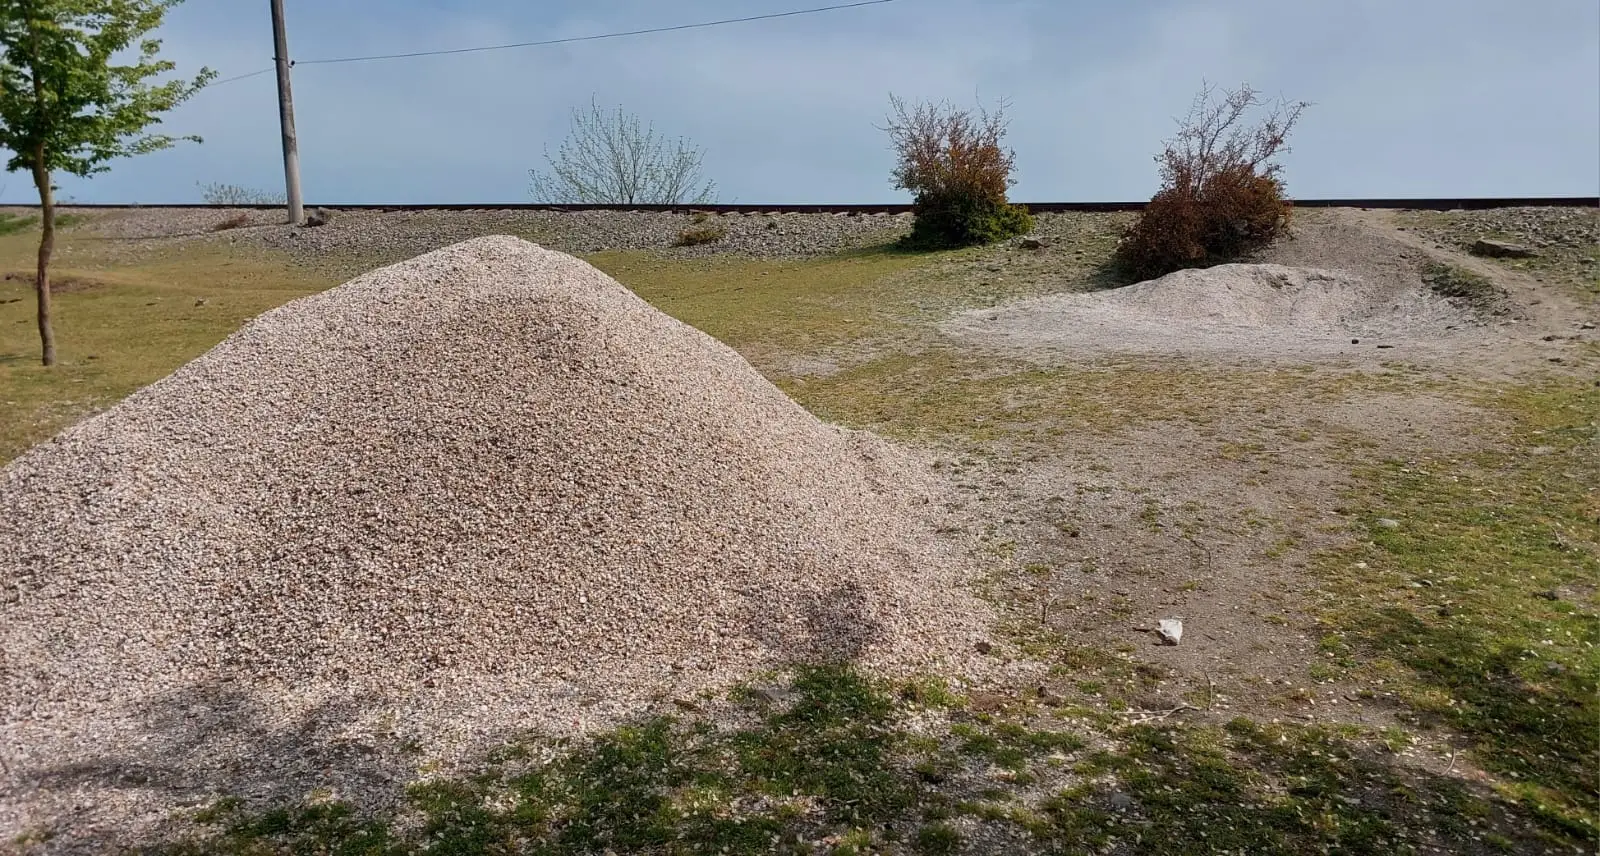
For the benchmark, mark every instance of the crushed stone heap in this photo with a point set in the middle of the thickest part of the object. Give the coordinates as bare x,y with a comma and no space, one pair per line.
484,490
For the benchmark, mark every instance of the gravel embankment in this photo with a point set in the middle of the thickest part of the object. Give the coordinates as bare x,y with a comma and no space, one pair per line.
1565,241
1539,228
403,234
485,490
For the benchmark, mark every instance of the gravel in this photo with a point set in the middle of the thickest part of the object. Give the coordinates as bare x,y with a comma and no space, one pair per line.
403,234
1246,310
482,491
1540,228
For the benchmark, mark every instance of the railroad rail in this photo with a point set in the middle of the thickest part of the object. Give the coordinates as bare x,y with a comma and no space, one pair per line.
1437,204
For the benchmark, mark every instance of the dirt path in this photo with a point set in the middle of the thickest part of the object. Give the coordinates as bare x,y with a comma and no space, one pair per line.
1218,517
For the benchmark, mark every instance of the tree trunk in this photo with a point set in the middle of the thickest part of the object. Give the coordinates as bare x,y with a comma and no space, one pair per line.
47,245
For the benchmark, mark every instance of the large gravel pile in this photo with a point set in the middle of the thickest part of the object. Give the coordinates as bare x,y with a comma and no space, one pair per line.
1250,310
484,490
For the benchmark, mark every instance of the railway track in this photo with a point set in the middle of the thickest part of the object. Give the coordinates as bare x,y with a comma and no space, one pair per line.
1441,204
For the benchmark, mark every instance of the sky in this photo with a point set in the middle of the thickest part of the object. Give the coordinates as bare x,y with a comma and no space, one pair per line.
1411,98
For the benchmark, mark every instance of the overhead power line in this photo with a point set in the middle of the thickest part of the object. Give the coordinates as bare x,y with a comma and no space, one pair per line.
569,40
239,77
701,25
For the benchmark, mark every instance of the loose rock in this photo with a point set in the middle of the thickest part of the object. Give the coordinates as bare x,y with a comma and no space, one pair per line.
1500,249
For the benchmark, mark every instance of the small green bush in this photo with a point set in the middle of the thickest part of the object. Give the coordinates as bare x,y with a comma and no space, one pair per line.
965,221
958,172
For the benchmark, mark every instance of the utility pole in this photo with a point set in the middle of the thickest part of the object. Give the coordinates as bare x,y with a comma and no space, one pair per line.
291,147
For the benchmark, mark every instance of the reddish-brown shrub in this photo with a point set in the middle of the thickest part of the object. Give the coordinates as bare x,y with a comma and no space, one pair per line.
1221,197
958,172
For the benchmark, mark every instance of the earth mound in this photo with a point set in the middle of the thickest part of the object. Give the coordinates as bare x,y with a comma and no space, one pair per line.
1249,310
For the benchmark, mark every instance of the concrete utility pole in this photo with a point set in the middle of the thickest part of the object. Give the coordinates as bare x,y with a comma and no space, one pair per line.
291,147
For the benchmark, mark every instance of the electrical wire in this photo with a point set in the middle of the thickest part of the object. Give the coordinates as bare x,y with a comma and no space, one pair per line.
701,25
239,77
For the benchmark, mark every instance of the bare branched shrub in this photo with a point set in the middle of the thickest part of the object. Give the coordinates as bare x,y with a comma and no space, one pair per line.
233,194
958,173
610,158
1221,195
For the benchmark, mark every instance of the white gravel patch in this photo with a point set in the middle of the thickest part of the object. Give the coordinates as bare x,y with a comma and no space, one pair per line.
482,491
1247,310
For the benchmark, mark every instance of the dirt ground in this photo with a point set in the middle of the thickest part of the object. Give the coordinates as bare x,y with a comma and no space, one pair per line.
1213,518
1247,477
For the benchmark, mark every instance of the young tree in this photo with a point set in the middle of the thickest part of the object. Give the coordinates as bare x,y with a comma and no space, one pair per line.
66,104
958,172
612,159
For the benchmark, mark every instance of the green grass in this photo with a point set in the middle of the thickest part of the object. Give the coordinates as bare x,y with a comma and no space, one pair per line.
11,224
1463,285
1248,788
1454,610
121,327
941,392
840,768
836,304
825,765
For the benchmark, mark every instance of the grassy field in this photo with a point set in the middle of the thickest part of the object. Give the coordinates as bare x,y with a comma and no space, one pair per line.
1471,622
119,326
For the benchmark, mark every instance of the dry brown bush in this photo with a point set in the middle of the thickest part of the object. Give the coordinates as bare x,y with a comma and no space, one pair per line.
958,172
1221,195
695,236
233,222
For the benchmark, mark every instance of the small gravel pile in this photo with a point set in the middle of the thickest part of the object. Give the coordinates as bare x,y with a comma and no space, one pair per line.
1249,310
485,490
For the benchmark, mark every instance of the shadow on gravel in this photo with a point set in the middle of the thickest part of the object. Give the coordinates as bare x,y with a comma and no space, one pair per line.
838,628
210,740
826,759
207,740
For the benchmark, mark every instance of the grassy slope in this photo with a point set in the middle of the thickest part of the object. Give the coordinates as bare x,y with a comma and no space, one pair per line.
854,766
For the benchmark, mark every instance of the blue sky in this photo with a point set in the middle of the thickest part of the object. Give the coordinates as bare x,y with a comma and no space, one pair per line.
1412,97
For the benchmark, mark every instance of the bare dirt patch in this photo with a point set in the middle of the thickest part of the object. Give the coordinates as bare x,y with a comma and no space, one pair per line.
65,283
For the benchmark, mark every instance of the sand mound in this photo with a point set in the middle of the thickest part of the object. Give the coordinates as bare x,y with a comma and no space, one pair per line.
1245,310
485,489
